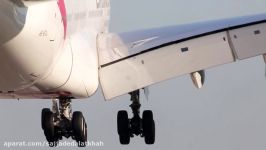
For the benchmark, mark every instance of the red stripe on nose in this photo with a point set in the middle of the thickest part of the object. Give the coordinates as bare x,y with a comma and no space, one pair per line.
62,7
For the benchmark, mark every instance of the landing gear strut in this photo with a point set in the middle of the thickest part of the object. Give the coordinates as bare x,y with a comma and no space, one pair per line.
145,126
60,122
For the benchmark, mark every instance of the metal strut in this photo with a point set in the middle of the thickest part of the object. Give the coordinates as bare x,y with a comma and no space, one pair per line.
135,106
135,122
65,108
62,116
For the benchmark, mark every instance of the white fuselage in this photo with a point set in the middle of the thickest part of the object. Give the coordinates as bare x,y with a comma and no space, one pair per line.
49,48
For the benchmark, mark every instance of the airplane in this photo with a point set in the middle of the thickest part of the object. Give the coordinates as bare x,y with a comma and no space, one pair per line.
62,50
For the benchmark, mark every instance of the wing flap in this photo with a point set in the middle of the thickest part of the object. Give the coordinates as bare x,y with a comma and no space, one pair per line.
164,63
249,41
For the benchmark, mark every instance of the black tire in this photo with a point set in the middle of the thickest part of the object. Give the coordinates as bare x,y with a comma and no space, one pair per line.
86,137
123,127
148,126
44,111
48,125
79,128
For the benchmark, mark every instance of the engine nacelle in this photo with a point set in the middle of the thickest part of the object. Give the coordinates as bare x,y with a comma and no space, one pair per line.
198,78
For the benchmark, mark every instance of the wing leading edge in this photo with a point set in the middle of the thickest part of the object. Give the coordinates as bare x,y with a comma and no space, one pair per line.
131,61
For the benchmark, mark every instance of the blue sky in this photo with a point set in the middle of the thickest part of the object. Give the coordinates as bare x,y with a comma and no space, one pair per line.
138,14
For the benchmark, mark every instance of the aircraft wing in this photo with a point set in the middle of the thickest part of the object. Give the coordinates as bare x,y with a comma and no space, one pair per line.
134,60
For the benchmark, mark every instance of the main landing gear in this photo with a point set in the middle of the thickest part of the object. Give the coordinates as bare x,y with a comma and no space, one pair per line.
144,127
60,122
